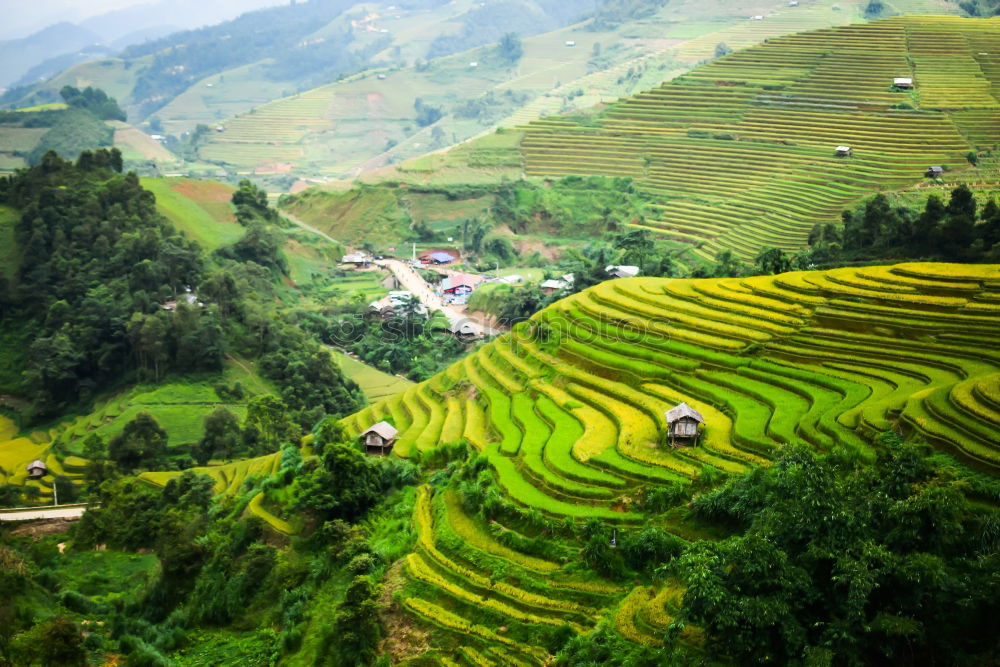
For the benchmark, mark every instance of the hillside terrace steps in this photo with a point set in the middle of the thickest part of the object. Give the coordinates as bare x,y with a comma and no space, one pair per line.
585,404
751,129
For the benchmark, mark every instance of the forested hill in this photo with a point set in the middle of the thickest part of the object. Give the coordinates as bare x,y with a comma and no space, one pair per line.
84,307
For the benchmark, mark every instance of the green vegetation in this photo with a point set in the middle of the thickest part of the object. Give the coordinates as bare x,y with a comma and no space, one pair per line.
201,209
76,131
840,502
755,131
94,100
828,348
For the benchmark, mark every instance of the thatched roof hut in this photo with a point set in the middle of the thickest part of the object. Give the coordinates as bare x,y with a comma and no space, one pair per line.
682,424
379,438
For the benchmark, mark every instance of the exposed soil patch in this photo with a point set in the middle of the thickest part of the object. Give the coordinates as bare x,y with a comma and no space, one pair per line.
551,252
41,528
203,191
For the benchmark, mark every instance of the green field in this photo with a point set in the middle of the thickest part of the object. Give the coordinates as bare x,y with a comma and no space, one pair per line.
375,384
200,209
568,414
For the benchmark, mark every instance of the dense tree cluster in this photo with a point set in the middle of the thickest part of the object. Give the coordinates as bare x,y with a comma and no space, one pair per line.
94,252
401,343
94,100
73,132
845,562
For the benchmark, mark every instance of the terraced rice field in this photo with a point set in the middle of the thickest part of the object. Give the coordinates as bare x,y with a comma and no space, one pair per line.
16,452
740,152
568,411
229,480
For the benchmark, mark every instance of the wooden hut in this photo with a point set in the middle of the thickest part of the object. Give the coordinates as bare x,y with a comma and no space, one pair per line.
37,470
934,172
682,425
842,151
902,83
379,439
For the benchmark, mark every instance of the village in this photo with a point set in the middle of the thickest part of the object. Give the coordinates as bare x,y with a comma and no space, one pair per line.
432,281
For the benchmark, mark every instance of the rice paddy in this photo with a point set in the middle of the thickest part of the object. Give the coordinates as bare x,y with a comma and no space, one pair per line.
568,412
740,152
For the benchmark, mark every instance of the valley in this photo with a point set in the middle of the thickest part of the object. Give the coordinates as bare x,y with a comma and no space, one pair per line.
507,333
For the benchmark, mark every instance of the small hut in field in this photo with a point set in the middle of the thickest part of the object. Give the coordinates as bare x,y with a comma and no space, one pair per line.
37,470
379,439
682,425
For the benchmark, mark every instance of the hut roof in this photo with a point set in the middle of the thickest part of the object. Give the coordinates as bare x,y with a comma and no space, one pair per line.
442,257
384,430
36,464
457,279
622,270
683,410
902,81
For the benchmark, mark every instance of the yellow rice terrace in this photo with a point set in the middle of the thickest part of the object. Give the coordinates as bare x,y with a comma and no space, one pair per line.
569,416
755,148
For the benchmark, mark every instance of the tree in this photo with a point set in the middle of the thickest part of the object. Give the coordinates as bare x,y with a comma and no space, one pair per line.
772,261
962,202
344,486
62,644
728,266
870,563
722,49
357,628
222,436
426,114
251,204
635,244
99,468
267,416
926,228
510,48
141,444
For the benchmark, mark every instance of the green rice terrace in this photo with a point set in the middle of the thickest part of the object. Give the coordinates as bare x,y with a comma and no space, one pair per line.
567,413
741,152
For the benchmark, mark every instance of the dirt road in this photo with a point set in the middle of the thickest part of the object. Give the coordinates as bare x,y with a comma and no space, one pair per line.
32,513
412,281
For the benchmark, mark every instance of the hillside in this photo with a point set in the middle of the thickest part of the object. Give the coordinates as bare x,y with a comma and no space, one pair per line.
368,120
740,152
567,413
186,78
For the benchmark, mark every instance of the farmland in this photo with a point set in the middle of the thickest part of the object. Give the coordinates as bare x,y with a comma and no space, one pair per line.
367,120
740,152
201,209
567,412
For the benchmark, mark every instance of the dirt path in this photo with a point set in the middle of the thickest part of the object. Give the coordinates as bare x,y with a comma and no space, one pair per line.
309,228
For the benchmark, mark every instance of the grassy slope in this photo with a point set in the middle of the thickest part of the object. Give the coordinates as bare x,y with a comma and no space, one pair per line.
137,145
374,383
201,209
